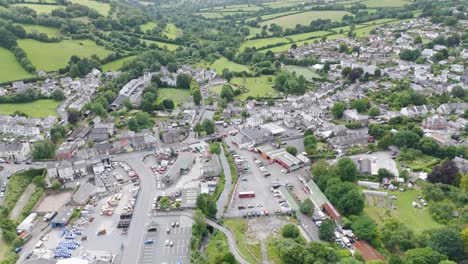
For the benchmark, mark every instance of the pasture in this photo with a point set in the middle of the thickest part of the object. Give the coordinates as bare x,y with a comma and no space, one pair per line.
260,43
53,56
10,69
46,9
304,71
223,63
102,8
148,26
385,3
210,15
117,64
305,18
232,8
256,86
171,31
179,96
309,35
50,31
162,45
40,108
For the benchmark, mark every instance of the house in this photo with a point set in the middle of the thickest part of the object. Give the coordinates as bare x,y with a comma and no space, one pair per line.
63,217
65,151
457,68
171,136
98,134
452,108
352,115
65,170
412,111
348,140
253,136
211,169
254,121
182,166
109,126
15,151
435,122
464,54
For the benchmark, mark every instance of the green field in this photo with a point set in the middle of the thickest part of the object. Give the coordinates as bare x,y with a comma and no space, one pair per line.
280,4
171,31
102,8
148,26
308,35
414,218
210,15
117,64
241,7
39,108
257,86
40,8
50,31
305,18
306,72
179,96
263,42
378,21
385,3
224,63
53,56
169,46
253,32
10,69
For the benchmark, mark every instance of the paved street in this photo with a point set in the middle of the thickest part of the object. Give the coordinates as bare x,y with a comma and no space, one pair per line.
223,198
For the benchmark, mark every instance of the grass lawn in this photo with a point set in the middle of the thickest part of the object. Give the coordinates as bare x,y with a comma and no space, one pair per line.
40,8
179,96
280,4
102,8
275,15
217,245
246,245
306,72
169,46
171,31
50,31
148,26
421,162
53,56
385,3
260,43
117,64
10,69
305,18
272,251
39,108
416,219
253,31
257,86
223,63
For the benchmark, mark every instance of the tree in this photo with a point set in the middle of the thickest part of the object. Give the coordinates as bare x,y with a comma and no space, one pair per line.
464,236
424,256
208,126
360,105
442,212
445,173
164,202
57,95
310,144
56,185
183,81
214,148
291,150
397,235
73,116
327,230
227,92
270,102
410,55
140,121
374,111
307,207
57,133
338,109
429,146
352,203
207,205
406,138
290,231
448,241
43,150
347,170
458,91
365,228
39,181
168,104
386,141
384,173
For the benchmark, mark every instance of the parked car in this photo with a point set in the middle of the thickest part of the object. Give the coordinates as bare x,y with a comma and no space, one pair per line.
149,241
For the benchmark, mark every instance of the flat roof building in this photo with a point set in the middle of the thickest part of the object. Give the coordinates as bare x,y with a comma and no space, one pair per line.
63,217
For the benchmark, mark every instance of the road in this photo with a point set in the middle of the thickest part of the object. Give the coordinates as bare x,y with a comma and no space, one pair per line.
309,226
9,169
223,198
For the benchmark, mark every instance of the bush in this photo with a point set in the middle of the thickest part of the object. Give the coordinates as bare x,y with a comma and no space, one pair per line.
290,231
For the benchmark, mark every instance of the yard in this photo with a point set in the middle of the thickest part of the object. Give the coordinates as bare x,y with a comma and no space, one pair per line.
179,96
39,108
10,69
305,18
40,8
53,56
306,72
256,86
102,8
170,47
416,219
117,64
223,63
50,31
249,248
420,162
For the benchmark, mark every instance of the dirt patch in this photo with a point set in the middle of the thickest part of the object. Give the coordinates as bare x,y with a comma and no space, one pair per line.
53,202
23,200
262,228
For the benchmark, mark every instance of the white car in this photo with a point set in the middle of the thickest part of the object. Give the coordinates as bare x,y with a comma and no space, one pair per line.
2,194
167,243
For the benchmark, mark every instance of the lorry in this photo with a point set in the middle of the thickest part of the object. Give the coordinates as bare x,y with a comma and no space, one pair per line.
247,194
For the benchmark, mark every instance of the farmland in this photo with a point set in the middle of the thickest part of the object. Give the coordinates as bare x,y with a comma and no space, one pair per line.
40,8
179,96
53,56
10,69
306,72
39,108
50,31
171,31
224,63
385,3
256,86
169,46
117,64
305,18
102,8
260,43
148,26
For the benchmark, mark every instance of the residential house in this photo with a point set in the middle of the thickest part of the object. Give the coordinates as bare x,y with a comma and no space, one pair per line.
349,140
15,151
171,136
452,108
457,68
412,111
435,122
254,121
65,170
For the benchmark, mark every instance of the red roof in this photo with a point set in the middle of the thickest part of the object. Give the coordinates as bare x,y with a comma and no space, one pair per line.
367,251
334,214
